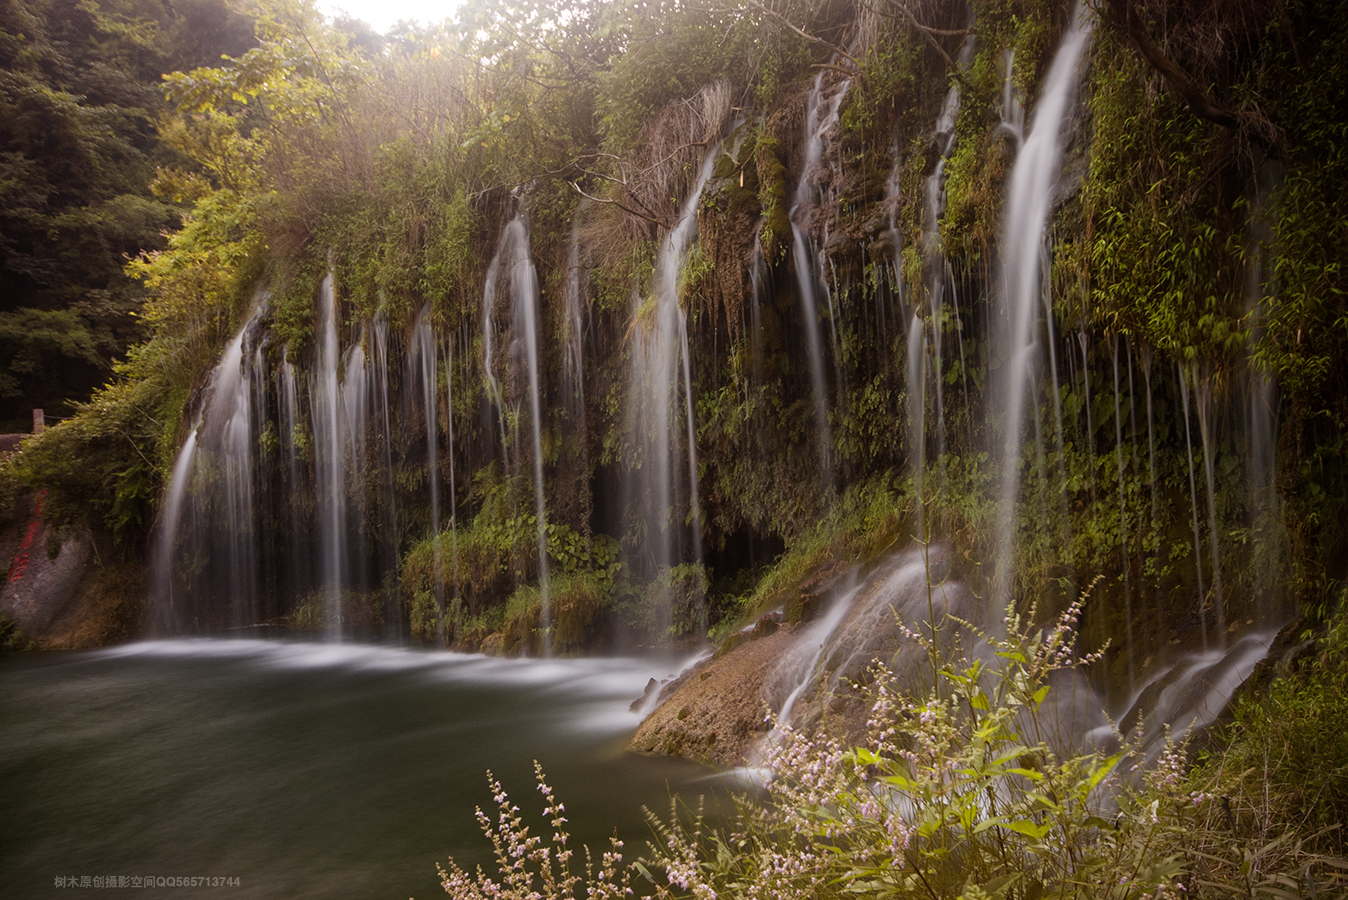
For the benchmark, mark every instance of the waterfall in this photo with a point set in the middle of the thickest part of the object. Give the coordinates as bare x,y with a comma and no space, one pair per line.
917,412
1013,113
168,615
1203,396
355,478
297,566
513,261
821,119
799,669
453,502
257,504
1261,408
1193,498
227,439
1084,343
235,443
209,516
421,368
524,284
934,261
893,203
330,488
1028,206
574,369
1124,535
491,383
660,366
1151,471
757,275
386,496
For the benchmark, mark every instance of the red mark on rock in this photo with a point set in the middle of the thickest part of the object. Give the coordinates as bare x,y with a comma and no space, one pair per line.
20,564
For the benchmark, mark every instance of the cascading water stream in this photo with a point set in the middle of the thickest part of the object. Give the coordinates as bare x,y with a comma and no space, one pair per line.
690,421
453,500
757,276
1083,343
934,261
1261,407
524,283
208,509
297,574
513,260
387,495
799,668
917,413
355,421
491,383
422,365
821,119
660,367
1203,397
1124,537
1013,113
235,443
574,370
325,392
167,614
893,203
1151,465
1030,192
1193,499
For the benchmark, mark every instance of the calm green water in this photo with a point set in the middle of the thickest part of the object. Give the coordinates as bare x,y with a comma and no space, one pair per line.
305,770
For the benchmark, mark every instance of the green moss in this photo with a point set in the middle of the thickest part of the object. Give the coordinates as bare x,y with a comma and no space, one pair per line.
776,233
11,637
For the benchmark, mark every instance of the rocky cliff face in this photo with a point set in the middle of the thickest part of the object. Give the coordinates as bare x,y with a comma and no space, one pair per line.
494,371
57,590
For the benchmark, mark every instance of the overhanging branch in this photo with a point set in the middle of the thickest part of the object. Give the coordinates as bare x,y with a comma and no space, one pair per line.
1197,99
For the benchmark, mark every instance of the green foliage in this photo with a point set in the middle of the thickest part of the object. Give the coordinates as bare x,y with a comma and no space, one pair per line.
1307,328
11,638
469,583
951,794
877,515
1281,763
672,50
776,233
1159,268
671,606
888,94
98,464
79,93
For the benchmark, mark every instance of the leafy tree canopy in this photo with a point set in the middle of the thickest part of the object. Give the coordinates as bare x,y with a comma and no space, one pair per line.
80,95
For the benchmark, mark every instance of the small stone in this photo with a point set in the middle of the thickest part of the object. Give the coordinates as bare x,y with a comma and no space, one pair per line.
764,627
651,687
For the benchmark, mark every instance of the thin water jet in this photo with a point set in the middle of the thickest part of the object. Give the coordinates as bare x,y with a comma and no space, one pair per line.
1030,191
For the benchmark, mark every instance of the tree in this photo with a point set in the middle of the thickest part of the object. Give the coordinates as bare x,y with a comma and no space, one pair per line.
80,90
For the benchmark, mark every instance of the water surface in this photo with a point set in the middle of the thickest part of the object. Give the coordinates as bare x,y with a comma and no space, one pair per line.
306,770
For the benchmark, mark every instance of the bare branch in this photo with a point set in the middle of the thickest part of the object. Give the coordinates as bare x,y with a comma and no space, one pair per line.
832,68
640,215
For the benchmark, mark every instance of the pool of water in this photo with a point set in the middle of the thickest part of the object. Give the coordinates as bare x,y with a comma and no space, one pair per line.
307,770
